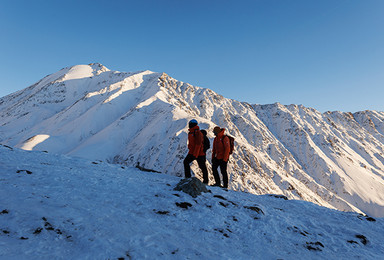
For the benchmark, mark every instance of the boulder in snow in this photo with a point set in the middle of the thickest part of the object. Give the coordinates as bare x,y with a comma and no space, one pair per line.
192,186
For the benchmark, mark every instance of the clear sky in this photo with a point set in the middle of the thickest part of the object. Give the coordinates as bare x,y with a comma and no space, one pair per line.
325,54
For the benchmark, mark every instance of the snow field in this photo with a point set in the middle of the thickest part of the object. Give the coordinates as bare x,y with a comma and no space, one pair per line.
54,206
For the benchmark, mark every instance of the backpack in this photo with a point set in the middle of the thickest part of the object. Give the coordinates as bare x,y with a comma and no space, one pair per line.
231,143
206,143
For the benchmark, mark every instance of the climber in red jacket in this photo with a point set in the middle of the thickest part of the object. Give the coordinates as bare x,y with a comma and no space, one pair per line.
196,151
220,155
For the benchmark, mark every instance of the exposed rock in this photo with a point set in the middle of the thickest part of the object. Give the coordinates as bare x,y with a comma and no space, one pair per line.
192,186
223,204
297,230
4,212
222,231
26,171
370,219
363,239
279,196
161,212
314,246
256,209
220,197
6,146
37,231
184,205
141,168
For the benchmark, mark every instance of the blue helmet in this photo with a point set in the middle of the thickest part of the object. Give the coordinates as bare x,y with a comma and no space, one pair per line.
192,123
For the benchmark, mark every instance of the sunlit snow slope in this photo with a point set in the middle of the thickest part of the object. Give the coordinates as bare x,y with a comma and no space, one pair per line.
333,159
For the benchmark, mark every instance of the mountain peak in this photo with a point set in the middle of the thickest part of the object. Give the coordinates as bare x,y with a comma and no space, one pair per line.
84,71
98,68
141,117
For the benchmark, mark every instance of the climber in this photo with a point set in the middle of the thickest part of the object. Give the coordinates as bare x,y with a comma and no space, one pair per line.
196,151
220,155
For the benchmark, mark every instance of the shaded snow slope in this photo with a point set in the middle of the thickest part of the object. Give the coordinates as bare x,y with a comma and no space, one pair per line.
57,207
333,159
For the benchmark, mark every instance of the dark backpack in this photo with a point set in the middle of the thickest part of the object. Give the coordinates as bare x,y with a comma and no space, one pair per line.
206,142
231,143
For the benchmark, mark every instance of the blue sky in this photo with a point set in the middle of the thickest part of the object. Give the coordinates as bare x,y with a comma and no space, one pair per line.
325,54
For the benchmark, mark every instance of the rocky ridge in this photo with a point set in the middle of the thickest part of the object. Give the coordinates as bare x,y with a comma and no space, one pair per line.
334,159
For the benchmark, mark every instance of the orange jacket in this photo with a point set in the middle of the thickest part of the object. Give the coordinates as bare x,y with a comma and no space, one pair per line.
195,142
221,147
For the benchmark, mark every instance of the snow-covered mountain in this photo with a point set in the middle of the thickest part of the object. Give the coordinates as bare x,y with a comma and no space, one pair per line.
333,159
58,207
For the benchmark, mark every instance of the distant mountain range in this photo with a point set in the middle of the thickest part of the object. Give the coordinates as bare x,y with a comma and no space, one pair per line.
334,159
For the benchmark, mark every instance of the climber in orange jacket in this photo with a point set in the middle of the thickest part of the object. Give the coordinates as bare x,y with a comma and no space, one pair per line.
196,151
220,155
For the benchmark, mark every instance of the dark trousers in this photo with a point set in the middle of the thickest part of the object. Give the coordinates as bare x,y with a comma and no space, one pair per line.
223,168
201,161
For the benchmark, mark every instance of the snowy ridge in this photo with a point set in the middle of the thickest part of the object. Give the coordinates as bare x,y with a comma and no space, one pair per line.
333,159
58,207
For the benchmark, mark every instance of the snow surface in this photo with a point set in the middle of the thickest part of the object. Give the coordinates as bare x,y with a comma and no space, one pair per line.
58,207
333,159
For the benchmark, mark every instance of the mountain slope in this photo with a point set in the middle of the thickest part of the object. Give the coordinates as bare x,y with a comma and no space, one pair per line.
54,206
332,159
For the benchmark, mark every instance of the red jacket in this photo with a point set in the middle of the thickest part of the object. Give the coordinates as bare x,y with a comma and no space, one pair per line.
221,147
195,142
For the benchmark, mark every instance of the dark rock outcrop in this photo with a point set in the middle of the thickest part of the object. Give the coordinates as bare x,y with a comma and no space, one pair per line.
192,186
